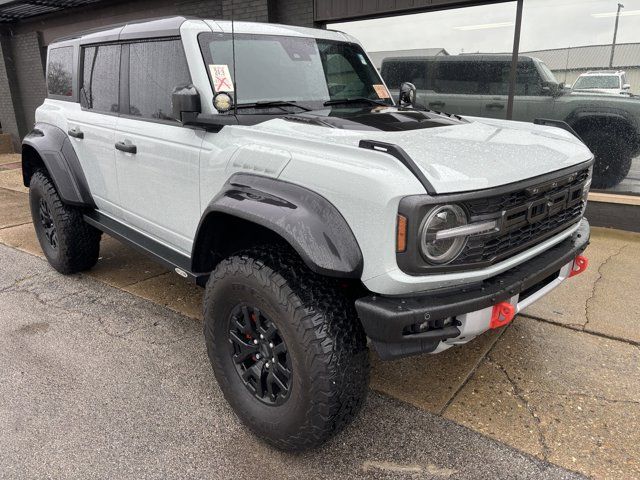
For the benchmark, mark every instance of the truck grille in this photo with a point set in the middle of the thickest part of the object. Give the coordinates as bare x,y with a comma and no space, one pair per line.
562,199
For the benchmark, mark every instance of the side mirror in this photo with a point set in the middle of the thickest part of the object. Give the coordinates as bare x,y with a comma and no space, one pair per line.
407,94
551,88
626,86
185,103
568,86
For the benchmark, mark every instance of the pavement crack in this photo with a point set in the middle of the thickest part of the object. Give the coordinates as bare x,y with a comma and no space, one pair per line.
578,328
472,372
16,283
586,395
595,285
520,394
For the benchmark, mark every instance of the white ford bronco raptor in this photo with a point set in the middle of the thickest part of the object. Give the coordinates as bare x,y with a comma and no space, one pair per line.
270,165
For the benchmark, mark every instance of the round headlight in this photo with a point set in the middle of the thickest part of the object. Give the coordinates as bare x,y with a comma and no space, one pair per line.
440,251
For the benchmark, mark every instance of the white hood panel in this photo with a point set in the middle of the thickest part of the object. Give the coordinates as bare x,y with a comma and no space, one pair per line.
481,154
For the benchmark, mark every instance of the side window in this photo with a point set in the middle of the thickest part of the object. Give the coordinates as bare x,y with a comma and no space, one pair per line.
396,72
457,77
156,68
60,71
528,81
100,78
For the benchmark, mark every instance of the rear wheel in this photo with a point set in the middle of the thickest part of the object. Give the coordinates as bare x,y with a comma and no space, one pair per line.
286,347
612,156
67,241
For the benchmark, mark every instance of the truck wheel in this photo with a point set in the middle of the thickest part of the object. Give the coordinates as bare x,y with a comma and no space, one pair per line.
69,244
286,347
613,157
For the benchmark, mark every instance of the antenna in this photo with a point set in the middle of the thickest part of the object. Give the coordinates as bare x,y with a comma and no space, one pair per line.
233,54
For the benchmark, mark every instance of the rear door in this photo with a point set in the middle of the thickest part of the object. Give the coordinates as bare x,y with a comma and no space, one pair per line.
91,127
157,159
453,86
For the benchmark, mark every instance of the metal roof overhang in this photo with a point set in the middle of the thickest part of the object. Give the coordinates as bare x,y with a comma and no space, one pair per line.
16,10
332,11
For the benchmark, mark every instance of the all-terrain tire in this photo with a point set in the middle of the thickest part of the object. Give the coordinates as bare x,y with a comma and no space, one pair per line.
613,156
67,241
326,345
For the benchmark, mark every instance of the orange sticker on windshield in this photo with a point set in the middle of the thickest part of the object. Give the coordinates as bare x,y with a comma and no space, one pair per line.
381,90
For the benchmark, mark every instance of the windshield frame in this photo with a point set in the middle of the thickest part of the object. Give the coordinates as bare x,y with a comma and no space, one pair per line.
205,38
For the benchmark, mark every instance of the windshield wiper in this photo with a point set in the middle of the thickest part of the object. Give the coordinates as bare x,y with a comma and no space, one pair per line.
347,101
273,103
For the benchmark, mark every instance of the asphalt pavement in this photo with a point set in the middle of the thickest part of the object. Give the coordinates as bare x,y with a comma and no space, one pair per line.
98,383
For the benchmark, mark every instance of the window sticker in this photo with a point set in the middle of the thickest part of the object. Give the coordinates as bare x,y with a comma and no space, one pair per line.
221,76
381,90
362,59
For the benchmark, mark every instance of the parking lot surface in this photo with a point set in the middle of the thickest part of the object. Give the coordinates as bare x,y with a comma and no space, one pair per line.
105,375
98,383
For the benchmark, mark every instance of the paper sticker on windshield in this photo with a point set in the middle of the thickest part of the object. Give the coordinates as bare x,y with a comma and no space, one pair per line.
381,90
221,76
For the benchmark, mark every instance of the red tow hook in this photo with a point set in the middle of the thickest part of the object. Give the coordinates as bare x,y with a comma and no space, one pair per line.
501,315
580,264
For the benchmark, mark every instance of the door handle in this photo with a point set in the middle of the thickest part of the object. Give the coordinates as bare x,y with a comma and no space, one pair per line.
126,147
75,133
495,106
436,104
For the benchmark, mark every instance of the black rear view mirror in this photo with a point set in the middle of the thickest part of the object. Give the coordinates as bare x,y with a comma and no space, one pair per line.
407,94
185,103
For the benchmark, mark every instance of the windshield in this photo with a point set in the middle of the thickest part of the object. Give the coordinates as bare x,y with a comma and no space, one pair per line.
307,71
547,72
597,81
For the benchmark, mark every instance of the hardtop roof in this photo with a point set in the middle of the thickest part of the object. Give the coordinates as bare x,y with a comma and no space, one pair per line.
170,26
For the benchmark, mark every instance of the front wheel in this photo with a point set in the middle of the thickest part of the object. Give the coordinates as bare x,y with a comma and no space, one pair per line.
286,347
613,156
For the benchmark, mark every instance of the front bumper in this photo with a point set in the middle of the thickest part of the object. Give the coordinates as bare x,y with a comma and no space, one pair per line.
456,315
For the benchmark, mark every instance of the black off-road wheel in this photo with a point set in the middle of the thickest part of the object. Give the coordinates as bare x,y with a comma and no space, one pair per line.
67,241
286,347
613,156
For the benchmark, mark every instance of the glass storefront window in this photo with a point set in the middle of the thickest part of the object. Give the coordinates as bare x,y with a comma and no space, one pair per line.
594,84
568,69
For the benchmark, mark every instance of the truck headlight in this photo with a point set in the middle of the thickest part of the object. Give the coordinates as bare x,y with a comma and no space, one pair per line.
439,249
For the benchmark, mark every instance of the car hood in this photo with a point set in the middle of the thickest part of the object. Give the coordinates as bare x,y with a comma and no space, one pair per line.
455,154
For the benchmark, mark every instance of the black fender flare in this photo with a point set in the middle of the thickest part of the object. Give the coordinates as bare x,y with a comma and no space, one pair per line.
306,220
603,113
59,157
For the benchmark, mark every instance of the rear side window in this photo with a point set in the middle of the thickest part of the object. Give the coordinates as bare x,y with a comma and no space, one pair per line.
156,69
396,72
60,71
100,78
461,77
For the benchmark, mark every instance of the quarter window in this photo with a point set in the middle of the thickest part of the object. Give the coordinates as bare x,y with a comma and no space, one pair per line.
100,78
60,71
156,69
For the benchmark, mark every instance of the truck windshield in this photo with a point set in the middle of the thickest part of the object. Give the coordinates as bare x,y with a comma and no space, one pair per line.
597,81
307,71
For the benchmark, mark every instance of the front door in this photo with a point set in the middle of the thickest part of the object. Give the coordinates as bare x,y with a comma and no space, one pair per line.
157,159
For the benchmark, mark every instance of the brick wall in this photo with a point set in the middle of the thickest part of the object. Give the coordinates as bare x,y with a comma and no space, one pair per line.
250,10
291,12
9,98
30,76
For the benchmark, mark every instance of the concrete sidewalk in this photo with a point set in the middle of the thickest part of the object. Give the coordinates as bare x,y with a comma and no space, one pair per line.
561,383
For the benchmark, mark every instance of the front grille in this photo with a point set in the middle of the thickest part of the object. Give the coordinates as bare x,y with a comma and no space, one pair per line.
519,229
498,203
